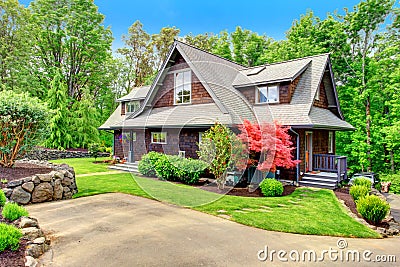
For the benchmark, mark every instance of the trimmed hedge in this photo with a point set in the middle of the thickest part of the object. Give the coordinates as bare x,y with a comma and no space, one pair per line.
172,168
359,191
12,211
363,182
271,187
373,208
146,164
9,237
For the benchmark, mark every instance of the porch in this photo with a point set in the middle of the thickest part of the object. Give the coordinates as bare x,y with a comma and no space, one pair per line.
327,171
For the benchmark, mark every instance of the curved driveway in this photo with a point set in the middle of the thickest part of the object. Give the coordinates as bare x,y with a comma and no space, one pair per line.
123,230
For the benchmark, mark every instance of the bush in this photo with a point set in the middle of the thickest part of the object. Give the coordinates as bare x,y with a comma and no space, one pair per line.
359,191
378,186
373,208
395,180
175,168
363,182
23,121
271,187
3,198
94,150
9,237
13,211
146,164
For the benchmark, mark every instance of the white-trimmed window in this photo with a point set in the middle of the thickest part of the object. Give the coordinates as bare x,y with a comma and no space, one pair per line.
200,136
268,94
132,106
331,141
183,87
317,94
159,137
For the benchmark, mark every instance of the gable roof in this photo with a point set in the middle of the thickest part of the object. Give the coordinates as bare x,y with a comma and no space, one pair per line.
219,76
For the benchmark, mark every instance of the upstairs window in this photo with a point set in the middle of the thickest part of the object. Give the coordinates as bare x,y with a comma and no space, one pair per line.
132,106
183,87
268,94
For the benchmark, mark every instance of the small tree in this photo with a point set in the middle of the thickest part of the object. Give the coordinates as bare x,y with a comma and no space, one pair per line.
222,150
94,150
22,121
269,145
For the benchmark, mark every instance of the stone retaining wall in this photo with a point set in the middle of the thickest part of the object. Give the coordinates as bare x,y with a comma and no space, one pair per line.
52,154
56,185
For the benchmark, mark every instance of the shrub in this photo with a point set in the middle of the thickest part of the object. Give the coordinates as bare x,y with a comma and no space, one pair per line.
165,169
146,164
378,186
271,187
94,150
188,171
3,198
373,208
363,182
359,191
23,122
9,237
13,211
395,182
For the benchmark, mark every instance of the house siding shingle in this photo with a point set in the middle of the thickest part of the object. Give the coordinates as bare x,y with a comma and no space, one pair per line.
165,94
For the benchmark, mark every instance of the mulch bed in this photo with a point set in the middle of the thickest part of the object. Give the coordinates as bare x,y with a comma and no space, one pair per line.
21,170
13,258
343,194
242,191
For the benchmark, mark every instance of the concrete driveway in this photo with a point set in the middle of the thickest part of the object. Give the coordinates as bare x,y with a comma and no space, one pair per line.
123,230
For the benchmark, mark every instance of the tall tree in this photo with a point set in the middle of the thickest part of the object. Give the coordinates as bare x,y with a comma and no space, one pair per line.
223,46
59,126
138,55
71,37
162,42
15,48
204,41
362,26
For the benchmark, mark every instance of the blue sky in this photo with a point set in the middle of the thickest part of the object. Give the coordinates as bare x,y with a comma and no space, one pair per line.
272,17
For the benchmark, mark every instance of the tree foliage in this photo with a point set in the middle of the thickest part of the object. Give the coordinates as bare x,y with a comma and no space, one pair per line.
23,120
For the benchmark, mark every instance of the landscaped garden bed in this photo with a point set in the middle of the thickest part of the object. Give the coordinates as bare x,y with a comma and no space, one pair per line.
21,170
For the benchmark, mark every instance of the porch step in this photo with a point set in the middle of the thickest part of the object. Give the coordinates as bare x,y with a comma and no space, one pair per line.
128,167
320,180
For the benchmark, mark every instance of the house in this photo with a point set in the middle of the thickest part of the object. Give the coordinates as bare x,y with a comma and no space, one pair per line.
194,88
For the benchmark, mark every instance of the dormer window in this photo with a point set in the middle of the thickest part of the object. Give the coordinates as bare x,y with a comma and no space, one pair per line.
132,106
183,87
268,94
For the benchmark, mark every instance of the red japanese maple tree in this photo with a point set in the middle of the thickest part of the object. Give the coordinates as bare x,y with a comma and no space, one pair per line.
270,143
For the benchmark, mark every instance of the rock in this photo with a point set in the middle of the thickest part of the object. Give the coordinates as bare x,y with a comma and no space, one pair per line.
67,195
32,233
69,174
35,180
43,192
28,186
28,179
34,250
7,192
39,241
14,183
20,196
394,225
45,177
393,231
58,175
58,190
26,222
66,181
30,261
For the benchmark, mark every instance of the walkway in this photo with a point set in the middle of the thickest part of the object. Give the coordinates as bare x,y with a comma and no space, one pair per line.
394,201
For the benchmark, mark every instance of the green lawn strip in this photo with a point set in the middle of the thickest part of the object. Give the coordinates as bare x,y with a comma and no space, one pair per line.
306,211
85,165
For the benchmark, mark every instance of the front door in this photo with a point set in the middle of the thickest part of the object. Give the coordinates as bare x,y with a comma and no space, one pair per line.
309,153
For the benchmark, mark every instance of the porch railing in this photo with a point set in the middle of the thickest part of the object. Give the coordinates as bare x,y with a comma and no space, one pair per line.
331,163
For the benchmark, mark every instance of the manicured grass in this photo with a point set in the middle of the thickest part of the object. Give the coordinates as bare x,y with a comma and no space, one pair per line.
306,211
85,165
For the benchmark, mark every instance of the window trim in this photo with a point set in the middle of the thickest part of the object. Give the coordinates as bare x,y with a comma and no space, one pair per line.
183,71
331,142
317,94
152,138
257,98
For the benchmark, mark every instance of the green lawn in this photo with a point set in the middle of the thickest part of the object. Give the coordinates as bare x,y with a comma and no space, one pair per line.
306,211
85,165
